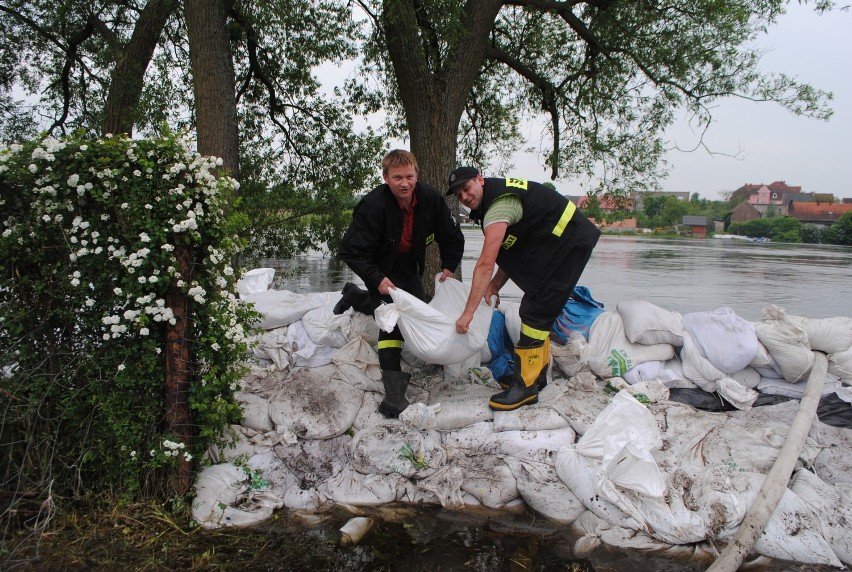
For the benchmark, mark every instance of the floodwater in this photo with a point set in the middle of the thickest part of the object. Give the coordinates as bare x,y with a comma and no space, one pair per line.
683,275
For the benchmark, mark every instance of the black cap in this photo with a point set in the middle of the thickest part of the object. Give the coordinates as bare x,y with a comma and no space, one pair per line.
459,177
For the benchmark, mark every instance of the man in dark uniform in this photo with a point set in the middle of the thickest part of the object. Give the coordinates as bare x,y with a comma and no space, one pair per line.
386,247
538,239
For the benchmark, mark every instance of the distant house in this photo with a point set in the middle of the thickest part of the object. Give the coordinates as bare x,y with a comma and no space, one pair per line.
697,225
607,204
771,194
820,214
743,212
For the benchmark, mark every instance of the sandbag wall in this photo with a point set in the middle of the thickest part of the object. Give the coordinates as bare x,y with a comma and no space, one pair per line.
659,476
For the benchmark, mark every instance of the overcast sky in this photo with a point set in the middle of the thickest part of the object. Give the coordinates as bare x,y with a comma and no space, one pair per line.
773,144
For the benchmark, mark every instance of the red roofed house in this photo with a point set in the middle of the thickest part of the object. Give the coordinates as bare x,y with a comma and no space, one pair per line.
608,204
820,214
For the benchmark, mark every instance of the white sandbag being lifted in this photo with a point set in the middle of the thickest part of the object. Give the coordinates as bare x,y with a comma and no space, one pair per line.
430,329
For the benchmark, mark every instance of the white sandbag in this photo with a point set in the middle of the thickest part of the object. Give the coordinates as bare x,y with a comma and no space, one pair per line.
792,532
534,417
644,371
325,328
581,401
624,420
349,486
244,445
368,415
393,448
648,324
544,492
736,393
223,497
832,508
840,364
304,352
461,370
255,281
533,446
512,312
420,416
315,403
829,335
363,326
273,346
787,344
726,340
255,411
314,460
294,493
644,391
358,364
462,403
578,473
747,377
672,375
282,307
441,487
697,368
489,479
774,386
609,352
430,329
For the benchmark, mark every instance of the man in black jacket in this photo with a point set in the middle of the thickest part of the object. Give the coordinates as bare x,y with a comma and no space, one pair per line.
538,239
386,247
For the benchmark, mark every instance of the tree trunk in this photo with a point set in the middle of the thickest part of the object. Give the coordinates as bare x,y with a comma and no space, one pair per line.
179,369
127,79
434,99
213,82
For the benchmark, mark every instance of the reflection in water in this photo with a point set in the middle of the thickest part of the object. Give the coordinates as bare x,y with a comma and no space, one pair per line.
686,275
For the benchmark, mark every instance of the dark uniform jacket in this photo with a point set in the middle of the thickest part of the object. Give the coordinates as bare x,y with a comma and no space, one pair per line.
371,244
538,243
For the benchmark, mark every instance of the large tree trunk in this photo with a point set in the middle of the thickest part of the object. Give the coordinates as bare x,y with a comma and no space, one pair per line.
433,93
127,79
213,82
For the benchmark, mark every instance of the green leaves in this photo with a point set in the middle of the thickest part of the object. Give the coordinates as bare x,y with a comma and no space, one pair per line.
89,233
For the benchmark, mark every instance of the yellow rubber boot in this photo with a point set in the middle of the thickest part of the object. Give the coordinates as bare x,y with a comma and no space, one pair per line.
506,380
530,370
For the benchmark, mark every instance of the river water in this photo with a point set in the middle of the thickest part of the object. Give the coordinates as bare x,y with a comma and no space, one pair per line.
684,275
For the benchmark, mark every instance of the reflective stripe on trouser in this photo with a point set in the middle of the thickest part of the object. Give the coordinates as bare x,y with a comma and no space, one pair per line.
390,350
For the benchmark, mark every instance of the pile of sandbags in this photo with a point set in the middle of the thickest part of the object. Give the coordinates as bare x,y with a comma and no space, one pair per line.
717,351
659,476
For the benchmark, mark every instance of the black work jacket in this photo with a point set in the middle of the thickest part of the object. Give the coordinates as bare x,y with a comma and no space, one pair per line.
371,244
538,243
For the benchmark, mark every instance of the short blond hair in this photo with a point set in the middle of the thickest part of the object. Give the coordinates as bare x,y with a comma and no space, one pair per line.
399,158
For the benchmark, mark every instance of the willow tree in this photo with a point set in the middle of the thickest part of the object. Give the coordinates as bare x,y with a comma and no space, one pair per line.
605,76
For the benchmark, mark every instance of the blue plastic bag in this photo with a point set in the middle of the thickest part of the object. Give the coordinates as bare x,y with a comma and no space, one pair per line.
578,315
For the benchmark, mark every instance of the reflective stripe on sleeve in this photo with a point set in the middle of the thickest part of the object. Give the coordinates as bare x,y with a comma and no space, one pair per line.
567,214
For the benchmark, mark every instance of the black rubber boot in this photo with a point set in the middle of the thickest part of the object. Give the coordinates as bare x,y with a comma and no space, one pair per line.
530,366
353,297
394,403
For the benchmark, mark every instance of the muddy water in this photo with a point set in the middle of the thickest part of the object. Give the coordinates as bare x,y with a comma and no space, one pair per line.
687,275
680,275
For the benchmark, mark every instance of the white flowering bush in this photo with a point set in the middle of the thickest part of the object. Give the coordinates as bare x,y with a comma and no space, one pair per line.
91,237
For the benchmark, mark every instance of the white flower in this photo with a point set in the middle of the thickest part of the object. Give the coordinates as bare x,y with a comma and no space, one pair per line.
33,168
83,147
73,180
143,331
144,237
125,206
121,367
187,456
116,291
46,218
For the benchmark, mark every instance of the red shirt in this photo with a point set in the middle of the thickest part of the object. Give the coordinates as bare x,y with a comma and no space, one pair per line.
407,225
